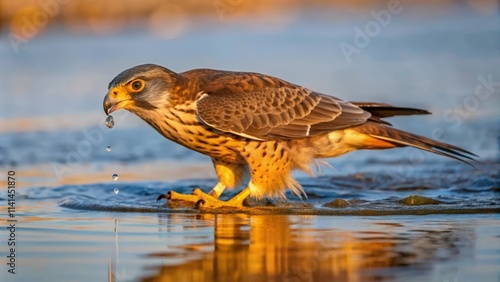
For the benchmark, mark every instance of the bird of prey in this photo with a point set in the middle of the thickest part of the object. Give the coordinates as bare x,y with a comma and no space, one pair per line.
256,124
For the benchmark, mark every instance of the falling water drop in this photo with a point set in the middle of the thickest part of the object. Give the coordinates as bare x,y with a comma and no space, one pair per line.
108,149
117,191
110,122
115,177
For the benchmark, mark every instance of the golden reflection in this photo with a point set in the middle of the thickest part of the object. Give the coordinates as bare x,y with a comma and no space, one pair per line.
293,248
290,248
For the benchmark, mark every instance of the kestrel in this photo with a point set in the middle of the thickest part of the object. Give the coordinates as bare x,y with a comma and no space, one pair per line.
256,124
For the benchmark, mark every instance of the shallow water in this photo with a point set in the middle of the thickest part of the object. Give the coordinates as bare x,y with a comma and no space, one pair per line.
457,190
62,244
63,232
372,216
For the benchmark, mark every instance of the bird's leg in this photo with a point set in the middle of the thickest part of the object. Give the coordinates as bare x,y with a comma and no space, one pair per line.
196,196
201,199
235,202
270,164
230,175
217,190
174,196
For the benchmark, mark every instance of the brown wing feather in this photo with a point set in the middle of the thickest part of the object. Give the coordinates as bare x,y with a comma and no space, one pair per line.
265,107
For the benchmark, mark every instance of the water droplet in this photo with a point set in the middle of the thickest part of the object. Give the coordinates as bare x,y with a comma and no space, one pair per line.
108,149
115,177
117,191
110,122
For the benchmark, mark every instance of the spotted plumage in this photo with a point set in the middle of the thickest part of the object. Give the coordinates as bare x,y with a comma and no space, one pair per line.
259,125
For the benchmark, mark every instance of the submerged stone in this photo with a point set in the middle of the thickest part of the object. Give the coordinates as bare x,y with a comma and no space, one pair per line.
338,203
415,200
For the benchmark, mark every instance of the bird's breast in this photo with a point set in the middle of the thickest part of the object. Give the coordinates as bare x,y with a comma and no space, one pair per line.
184,128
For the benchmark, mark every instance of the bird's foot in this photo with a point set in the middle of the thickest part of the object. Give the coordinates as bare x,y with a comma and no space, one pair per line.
235,202
197,195
201,199
174,196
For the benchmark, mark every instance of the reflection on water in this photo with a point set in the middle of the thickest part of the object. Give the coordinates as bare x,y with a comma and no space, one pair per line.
304,248
60,244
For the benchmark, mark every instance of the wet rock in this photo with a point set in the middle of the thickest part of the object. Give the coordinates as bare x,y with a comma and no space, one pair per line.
415,200
357,202
338,203
251,202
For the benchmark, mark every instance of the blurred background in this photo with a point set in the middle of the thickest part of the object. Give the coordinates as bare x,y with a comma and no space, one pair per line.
58,56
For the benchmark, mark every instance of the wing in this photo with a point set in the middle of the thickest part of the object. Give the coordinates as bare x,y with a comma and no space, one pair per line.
263,107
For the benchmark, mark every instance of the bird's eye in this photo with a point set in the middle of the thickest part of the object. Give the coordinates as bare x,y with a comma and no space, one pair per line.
137,85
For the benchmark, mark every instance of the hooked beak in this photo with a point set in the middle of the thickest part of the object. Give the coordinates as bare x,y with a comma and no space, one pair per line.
113,102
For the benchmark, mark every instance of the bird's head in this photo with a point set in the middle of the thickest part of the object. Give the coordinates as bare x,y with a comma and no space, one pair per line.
143,87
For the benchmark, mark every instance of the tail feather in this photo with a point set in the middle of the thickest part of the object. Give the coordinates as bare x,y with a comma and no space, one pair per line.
382,110
403,138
